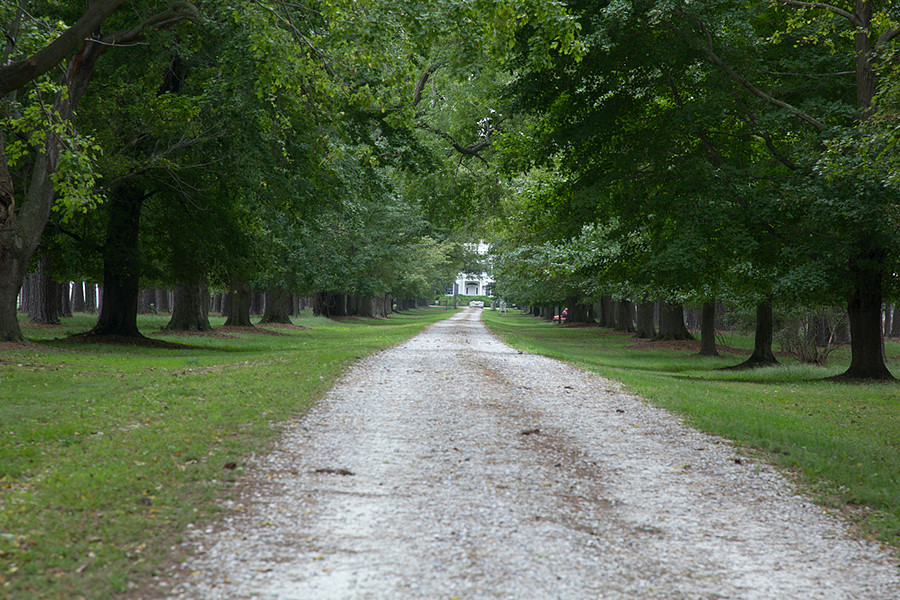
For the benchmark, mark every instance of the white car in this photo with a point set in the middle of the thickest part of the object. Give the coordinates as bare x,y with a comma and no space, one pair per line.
476,304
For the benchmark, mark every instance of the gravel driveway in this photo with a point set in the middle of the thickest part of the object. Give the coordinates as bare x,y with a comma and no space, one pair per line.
454,466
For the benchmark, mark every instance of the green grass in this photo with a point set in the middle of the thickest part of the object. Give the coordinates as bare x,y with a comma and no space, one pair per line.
841,439
107,453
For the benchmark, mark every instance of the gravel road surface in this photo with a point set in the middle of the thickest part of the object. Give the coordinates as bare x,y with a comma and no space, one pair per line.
453,466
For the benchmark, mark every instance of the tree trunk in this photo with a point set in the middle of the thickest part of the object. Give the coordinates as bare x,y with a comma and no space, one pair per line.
864,308
257,303
90,298
320,304
577,312
191,308
21,227
895,325
646,326
121,264
20,234
47,305
762,342
330,305
708,330
671,323
30,295
624,316
278,307
239,305
78,301
607,312
65,298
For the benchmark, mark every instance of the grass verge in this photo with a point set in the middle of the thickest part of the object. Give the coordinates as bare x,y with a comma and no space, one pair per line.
107,453
842,440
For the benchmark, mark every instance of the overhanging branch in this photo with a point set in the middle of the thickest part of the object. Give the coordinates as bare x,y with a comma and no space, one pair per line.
17,74
887,37
420,85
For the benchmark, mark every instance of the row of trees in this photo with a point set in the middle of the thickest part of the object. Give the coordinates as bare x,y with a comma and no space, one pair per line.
717,151
264,144
662,149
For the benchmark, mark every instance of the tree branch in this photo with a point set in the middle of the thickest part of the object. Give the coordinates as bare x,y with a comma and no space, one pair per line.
420,85
177,11
838,11
744,81
886,37
837,74
18,73
470,150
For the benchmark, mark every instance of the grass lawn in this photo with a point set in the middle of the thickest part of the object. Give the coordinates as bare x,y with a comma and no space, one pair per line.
107,453
842,440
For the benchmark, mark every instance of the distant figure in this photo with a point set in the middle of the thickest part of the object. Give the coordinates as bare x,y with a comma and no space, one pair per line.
565,315
503,307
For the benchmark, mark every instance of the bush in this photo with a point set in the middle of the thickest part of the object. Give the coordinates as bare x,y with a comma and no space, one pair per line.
811,336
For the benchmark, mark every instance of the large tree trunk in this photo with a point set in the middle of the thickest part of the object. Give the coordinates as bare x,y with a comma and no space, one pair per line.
330,305
20,231
762,355
191,309
864,308
708,330
607,312
47,305
624,316
239,306
121,264
671,323
278,307
577,312
646,325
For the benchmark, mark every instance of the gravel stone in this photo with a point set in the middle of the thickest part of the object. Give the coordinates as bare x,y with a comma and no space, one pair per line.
454,466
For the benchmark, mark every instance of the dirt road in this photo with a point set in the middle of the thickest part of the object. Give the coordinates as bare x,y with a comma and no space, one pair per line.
454,466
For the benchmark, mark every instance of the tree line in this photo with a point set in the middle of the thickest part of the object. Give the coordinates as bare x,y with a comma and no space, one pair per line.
640,151
738,152
253,145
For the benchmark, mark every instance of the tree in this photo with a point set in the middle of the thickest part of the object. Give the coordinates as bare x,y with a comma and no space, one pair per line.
54,142
707,107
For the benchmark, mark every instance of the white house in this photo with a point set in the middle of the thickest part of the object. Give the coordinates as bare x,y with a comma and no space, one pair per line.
474,284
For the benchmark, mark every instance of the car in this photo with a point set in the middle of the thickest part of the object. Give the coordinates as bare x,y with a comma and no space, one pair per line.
476,304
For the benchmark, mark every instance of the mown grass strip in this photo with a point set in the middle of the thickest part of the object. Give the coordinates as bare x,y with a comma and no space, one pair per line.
843,439
107,453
